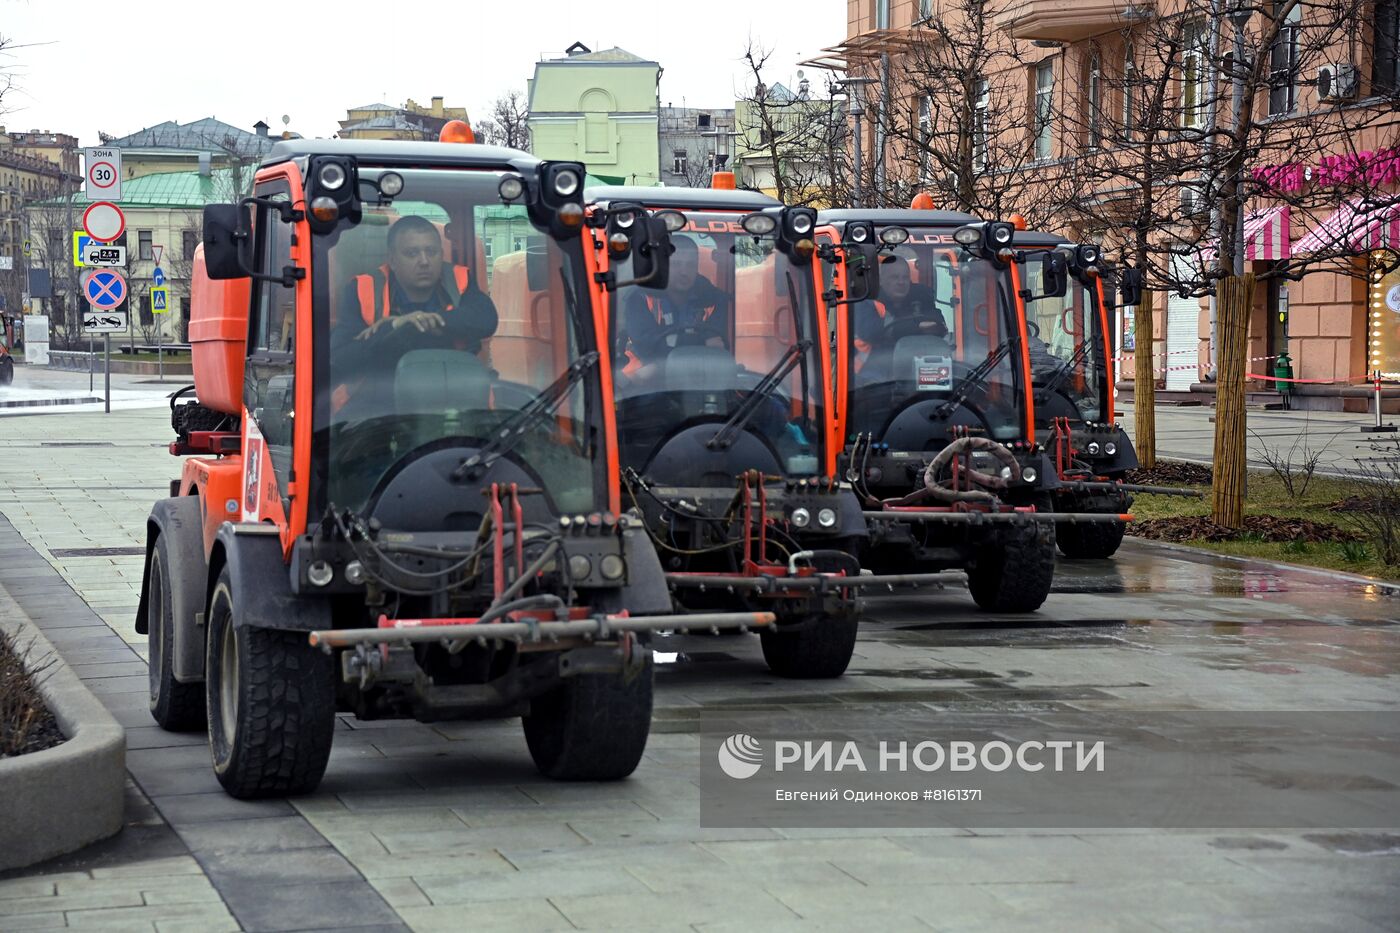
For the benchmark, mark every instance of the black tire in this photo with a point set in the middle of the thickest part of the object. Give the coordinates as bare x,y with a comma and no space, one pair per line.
7,372
1089,540
821,647
175,706
1014,573
271,704
593,727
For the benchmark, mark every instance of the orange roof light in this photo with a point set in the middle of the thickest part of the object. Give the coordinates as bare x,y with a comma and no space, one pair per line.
1018,221
923,201
456,131
723,181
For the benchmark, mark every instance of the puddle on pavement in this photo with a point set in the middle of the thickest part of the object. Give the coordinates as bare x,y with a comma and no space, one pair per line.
1247,843
1357,843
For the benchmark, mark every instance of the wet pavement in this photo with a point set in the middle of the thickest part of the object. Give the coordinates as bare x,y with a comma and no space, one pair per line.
447,826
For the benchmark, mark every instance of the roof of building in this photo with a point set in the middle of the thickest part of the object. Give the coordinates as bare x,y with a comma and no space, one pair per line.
206,135
173,189
391,121
614,55
374,107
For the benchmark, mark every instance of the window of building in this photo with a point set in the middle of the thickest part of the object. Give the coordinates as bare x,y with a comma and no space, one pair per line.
488,249
1385,70
1094,92
1194,74
678,162
980,108
703,121
925,136
517,244
925,10
147,317
189,239
143,238
1130,79
1283,64
1043,129
882,14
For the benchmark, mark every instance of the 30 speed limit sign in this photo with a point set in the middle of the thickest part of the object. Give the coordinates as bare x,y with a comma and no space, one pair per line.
102,169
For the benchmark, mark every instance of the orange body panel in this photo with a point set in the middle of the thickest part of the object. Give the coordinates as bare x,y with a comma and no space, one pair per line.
524,341
1108,349
594,260
218,483
218,337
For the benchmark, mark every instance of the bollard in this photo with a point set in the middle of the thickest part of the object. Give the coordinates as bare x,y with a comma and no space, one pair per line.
1378,427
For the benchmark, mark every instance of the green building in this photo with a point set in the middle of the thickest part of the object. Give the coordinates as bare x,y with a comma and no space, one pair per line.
599,108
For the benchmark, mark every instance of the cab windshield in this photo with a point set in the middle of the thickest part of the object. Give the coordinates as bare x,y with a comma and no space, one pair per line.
943,327
1066,342
732,314
446,314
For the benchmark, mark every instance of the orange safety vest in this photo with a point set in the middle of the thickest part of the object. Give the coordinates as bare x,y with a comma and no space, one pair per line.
633,363
372,290
862,346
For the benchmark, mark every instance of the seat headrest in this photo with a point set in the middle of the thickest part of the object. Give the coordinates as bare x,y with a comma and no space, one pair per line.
433,381
701,368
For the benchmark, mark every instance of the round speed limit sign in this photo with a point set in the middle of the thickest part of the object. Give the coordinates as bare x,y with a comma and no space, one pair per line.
102,176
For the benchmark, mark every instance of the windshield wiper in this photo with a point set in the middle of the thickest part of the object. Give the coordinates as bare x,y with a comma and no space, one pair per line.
725,436
976,376
504,438
1063,372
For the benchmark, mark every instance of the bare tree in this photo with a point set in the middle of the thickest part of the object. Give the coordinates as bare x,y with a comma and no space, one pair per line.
791,142
507,123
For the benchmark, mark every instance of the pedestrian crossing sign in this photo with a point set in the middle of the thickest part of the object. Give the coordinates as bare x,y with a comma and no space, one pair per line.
160,302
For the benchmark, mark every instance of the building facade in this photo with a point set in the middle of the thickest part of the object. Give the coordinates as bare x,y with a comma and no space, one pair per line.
599,108
34,167
412,121
1070,73
695,143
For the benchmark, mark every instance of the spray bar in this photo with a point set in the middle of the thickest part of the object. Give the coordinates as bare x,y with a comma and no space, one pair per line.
536,631
978,518
769,583
1085,486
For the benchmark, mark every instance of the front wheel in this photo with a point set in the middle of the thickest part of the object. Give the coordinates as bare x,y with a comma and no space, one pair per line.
175,706
1092,540
593,727
271,702
819,646
1014,574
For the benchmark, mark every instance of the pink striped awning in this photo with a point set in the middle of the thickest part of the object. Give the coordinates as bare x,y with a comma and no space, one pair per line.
1265,236
1359,224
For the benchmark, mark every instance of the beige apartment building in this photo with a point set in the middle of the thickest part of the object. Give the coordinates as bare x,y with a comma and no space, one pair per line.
1064,100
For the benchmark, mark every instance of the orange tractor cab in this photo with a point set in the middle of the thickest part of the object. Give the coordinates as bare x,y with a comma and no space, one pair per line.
406,500
935,419
722,391
1069,315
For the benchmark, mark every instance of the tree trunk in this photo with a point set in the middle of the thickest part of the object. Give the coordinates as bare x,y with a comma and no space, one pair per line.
1144,384
1234,296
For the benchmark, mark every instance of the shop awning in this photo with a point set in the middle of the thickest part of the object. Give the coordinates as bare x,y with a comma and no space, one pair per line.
1265,236
1359,224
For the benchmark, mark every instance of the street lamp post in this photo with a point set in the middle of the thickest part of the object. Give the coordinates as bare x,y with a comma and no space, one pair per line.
852,88
1239,16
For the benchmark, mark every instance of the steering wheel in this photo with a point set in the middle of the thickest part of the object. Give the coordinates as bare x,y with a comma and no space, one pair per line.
708,330
898,328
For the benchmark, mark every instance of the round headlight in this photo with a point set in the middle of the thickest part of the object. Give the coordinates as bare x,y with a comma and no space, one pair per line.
320,573
827,518
759,224
1110,448
332,176
355,572
859,234
580,567
612,567
566,182
1089,255
802,223
1093,448
511,188
1006,472
390,184
801,518
1029,475
967,236
625,220
893,236
1002,234
324,209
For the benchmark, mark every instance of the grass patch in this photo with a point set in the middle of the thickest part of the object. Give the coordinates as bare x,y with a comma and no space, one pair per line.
1269,497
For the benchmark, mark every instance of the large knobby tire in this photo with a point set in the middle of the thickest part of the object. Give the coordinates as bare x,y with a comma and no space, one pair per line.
271,701
819,647
1014,574
593,727
1089,539
175,706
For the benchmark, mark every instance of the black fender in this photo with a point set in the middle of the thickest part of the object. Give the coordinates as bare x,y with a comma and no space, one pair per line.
260,580
646,592
180,522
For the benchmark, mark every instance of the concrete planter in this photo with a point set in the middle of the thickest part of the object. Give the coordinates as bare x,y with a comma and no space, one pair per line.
78,361
63,798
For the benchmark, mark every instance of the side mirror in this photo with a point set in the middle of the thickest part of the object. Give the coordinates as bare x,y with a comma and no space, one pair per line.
227,228
862,273
1130,286
650,245
1054,275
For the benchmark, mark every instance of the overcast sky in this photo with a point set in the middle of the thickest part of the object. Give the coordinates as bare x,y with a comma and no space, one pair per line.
247,60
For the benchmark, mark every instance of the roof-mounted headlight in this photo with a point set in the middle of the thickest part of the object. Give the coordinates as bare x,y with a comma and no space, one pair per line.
759,224
674,220
332,176
893,236
566,182
967,236
511,188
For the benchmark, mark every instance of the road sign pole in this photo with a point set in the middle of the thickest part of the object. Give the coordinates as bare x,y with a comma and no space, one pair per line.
107,372
92,359
160,360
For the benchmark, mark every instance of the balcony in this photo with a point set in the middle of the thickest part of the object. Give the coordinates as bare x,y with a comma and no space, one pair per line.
1071,20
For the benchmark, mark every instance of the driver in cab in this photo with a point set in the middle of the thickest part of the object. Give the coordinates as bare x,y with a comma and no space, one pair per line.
416,300
691,308
904,310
